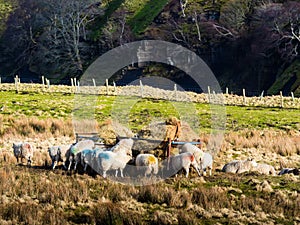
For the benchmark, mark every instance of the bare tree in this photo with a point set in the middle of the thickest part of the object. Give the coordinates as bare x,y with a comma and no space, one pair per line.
68,26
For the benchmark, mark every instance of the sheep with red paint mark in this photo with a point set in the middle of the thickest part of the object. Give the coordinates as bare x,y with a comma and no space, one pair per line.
184,161
147,163
23,151
197,152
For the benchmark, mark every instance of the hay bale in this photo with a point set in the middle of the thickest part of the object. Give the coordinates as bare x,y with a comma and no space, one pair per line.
110,130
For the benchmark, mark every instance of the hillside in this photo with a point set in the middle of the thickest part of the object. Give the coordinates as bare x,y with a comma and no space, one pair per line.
236,38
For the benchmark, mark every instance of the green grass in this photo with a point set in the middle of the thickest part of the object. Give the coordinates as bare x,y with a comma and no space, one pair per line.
139,112
145,14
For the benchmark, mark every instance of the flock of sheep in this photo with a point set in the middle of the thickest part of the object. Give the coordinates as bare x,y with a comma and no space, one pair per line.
102,160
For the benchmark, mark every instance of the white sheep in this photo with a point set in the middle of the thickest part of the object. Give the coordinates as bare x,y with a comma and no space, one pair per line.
197,152
184,161
206,163
239,166
23,151
74,153
88,157
59,153
148,163
266,169
110,160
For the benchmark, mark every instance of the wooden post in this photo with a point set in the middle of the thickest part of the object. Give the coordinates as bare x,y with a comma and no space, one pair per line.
261,95
106,82
115,88
175,91
208,91
141,88
16,83
48,83
292,93
244,96
281,99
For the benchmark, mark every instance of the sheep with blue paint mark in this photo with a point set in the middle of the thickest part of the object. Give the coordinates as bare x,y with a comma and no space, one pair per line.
115,160
88,157
148,163
75,151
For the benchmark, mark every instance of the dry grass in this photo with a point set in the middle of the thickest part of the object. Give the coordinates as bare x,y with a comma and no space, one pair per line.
34,127
279,142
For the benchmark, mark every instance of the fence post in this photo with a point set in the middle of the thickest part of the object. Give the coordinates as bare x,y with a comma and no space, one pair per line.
244,96
106,82
208,91
78,86
48,83
292,93
16,83
115,88
175,91
141,88
262,95
281,99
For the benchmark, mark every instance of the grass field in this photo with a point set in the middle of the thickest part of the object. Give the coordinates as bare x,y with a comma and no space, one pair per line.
38,195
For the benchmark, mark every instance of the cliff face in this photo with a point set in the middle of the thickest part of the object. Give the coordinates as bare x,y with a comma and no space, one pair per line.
235,38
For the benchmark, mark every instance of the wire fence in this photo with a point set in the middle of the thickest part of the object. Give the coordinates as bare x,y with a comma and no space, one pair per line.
167,92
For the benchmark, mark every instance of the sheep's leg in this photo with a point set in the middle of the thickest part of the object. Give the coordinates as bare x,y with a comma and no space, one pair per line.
54,165
70,163
104,174
85,167
64,165
116,173
121,171
186,172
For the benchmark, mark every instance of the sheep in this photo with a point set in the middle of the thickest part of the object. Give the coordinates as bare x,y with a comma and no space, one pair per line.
294,171
266,169
74,153
88,156
197,152
111,160
185,160
206,163
239,166
59,153
123,144
148,162
23,150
